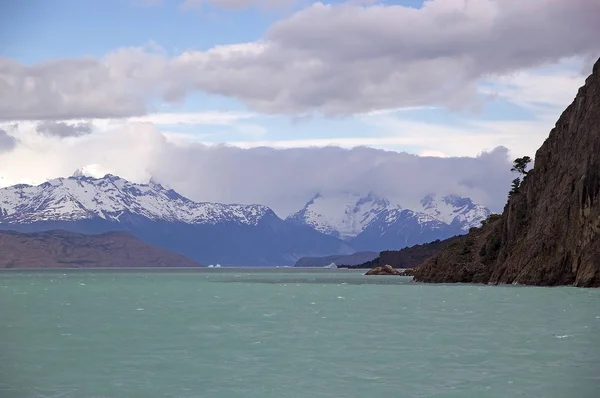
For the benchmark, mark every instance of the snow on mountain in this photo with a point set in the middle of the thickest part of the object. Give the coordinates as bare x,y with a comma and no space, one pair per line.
344,216
81,197
454,209
210,233
350,215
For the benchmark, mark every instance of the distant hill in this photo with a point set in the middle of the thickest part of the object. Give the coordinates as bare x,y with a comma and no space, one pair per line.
63,249
350,259
409,257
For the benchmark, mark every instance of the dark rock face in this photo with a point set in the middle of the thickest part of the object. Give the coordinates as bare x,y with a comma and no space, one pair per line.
63,249
549,232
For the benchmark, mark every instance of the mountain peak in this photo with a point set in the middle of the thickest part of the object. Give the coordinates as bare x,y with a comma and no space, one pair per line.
82,197
343,215
348,215
454,209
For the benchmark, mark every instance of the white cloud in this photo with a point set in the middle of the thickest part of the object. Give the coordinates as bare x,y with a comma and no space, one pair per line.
433,153
281,178
239,122
539,90
521,137
92,170
193,118
370,61
331,59
7,141
127,151
285,173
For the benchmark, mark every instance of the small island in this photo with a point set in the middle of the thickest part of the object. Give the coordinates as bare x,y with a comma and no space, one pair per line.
389,270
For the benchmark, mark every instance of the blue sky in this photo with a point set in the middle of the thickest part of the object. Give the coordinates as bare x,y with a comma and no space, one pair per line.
442,78
71,28
74,28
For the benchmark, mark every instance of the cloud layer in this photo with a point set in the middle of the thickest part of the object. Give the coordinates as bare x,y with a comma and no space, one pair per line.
281,178
330,59
7,142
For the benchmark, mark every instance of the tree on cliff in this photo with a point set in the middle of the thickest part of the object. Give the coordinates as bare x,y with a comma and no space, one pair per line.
520,164
516,183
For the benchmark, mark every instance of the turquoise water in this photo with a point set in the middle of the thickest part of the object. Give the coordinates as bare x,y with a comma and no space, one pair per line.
291,333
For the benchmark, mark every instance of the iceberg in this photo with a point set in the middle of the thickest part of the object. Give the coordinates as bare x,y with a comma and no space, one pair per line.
331,266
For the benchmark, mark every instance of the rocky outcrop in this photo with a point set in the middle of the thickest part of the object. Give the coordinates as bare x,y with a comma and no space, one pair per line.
383,270
389,270
63,249
549,232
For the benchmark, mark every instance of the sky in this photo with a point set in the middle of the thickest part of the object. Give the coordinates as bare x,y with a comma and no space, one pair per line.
273,101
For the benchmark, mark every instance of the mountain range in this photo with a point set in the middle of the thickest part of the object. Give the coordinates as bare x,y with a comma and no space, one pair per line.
374,223
231,234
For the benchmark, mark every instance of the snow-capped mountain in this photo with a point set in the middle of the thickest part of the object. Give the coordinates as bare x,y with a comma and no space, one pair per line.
454,209
206,232
374,223
80,197
344,216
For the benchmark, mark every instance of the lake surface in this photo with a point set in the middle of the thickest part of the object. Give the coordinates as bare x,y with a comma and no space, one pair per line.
290,333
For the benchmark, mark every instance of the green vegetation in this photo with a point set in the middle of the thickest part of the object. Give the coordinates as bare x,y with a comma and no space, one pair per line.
520,164
491,218
519,167
514,188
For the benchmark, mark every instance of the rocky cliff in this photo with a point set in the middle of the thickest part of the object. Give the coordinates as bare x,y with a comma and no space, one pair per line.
549,232
63,249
